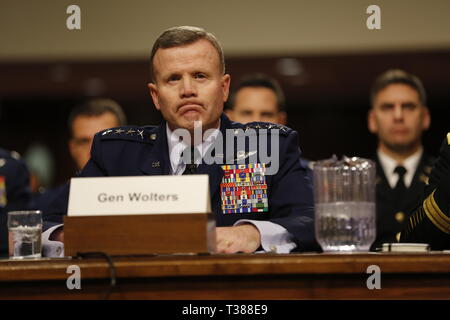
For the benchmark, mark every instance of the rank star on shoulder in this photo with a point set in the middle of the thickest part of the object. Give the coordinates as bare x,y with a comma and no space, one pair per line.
119,131
131,131
106,132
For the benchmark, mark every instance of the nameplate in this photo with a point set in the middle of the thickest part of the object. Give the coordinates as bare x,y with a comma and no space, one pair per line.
188,194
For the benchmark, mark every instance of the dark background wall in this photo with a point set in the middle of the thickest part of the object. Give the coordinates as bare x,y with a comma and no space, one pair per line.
327,98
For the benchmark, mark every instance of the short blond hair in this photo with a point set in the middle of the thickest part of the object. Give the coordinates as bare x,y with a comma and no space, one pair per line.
183,35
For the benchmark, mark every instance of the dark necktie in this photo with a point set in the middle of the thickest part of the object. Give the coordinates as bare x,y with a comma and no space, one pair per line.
400,187
191,167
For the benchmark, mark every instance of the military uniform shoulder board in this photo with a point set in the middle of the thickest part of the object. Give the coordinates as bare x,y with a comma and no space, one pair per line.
141,134
259,126
267,126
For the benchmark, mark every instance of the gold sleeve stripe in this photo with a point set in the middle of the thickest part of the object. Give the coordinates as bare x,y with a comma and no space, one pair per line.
448,138
415,219
442,215
436,216
433,212
418,216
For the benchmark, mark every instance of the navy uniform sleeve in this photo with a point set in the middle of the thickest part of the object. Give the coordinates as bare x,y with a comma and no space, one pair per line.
430,222
16,193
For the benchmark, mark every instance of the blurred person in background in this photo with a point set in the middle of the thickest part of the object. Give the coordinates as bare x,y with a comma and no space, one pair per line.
257,97
84,122
398,117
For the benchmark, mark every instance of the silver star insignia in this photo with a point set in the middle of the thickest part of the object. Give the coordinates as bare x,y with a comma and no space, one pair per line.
131,131
119,131
106,132
141,133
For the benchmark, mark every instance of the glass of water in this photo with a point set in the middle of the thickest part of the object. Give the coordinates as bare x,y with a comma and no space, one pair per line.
344,196
25,229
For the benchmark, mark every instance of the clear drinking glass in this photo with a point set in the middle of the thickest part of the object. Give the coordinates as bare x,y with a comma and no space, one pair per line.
344,196
25,229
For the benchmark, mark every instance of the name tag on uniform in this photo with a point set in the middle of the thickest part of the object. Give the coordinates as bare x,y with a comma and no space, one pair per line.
244,189
139,195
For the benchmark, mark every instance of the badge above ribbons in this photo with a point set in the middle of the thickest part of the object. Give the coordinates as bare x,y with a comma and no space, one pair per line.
244,189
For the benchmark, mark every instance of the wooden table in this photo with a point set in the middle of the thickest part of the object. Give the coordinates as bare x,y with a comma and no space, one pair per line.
239,276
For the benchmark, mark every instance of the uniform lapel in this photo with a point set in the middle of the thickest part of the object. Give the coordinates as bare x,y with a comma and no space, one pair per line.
155,160
382,185
417,183
215,173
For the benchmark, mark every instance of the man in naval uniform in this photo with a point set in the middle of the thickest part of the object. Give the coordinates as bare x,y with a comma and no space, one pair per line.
15,192
430,222
189,85
398,117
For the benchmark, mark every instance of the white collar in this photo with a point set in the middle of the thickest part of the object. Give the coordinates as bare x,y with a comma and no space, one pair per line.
176,146
388,164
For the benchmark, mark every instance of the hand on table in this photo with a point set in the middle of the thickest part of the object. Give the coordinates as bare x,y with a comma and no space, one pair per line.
243,238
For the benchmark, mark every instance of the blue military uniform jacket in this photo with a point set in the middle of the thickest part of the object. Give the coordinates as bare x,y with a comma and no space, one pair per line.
15,191
134,151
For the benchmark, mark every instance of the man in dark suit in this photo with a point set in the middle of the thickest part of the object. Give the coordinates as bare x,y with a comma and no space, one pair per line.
398,117
15,193
189,86
257,97
430,222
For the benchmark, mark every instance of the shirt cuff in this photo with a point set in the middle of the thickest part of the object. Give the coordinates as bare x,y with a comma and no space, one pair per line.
274,238
52,249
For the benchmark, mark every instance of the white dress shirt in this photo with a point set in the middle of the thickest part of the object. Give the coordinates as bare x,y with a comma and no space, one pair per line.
274,238
388,164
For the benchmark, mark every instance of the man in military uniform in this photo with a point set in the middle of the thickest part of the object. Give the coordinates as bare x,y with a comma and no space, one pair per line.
189,84
398,117
257,98
15,191
84,122
430,222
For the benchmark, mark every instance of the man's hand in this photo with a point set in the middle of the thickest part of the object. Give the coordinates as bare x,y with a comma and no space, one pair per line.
243,238
57,235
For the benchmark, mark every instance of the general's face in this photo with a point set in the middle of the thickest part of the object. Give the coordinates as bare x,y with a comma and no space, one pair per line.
83,130
256,104
189,85
398,117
